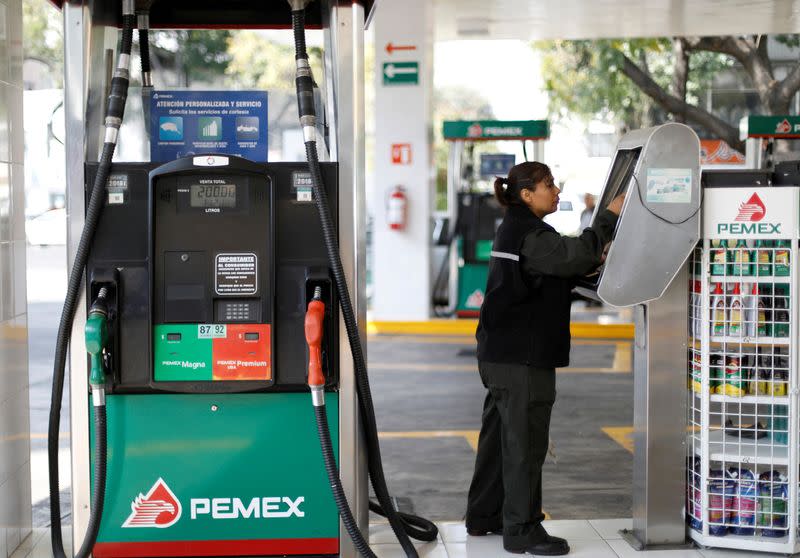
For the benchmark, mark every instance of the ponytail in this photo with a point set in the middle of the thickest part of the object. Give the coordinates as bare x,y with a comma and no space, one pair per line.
501,192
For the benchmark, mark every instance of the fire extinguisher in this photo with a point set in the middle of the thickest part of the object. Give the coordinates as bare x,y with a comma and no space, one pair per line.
397,208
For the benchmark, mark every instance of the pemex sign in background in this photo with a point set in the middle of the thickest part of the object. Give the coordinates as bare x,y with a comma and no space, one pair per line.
785,127
487,130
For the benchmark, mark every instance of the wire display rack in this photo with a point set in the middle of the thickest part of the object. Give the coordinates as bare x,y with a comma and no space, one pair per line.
742,445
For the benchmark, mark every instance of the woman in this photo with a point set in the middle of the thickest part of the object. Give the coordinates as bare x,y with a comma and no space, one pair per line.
523,336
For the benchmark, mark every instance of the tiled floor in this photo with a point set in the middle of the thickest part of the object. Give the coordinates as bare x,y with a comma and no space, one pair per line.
597,538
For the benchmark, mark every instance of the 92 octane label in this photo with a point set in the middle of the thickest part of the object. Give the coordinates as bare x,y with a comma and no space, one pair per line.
212,331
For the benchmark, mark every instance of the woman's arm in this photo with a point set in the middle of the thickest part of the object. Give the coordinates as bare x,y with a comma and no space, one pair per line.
548,253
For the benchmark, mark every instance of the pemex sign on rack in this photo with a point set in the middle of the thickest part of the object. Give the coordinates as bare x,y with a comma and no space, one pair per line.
750,213
781,127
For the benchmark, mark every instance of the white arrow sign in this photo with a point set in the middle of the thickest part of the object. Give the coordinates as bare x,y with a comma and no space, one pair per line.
400,73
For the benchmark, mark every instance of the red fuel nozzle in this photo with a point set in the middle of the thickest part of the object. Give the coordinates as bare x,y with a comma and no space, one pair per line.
314,320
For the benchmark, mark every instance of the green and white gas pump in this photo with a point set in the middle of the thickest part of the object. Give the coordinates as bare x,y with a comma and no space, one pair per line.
208,292
472,212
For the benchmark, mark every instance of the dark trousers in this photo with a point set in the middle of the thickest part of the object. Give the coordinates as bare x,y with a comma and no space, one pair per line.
506,486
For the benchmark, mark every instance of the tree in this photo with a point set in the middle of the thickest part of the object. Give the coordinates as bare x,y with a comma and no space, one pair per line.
615,77
43,37
196,56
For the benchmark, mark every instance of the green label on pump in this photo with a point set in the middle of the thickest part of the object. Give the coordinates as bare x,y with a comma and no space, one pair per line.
483,250
217,475
181,353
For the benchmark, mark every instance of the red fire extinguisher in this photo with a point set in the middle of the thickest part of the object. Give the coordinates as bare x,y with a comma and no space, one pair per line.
397,208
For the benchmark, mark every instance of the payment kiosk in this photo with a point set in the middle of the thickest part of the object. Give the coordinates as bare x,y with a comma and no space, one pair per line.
659,226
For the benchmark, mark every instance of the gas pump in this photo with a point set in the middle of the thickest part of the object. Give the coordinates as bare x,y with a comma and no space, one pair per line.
472,212
760,133
212,287
657,230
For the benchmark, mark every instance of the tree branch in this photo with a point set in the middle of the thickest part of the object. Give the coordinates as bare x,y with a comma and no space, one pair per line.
789,86
680,73
740,49
674,105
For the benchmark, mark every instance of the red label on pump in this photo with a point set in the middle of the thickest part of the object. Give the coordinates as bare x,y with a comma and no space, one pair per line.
243,354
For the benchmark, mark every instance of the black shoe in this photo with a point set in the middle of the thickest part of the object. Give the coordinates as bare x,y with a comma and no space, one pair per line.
541,544
472,532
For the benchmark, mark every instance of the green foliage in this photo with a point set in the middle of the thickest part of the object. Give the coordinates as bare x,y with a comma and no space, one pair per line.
42,36
585,78
260,63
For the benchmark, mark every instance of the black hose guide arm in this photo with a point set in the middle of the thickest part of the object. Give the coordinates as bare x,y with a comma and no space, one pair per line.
305,100
113,120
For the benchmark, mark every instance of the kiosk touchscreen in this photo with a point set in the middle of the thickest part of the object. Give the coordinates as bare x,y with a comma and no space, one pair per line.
659,170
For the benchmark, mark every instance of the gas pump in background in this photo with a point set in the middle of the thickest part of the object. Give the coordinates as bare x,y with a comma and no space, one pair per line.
473,214
213,290
760,133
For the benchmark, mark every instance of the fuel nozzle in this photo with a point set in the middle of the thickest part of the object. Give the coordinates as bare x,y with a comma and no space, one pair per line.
96,332
315,316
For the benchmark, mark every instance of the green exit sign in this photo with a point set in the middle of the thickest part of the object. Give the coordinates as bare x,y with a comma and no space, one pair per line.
401,73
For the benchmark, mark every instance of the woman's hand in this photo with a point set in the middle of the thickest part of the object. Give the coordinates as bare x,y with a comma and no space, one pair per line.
615,206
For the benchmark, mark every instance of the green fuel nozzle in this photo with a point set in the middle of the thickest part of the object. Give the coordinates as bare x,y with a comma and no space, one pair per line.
96,332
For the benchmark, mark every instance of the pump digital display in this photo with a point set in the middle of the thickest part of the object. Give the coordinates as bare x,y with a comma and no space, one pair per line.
212,195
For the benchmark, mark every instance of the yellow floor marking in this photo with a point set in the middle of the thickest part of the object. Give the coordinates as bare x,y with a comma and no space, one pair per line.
473,368
592,330
623,361
623,435
470,435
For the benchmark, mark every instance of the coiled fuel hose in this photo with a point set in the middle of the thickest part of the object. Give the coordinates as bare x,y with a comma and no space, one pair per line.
405,524
95,325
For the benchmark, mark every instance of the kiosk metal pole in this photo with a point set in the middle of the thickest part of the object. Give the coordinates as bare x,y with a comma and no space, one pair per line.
659,418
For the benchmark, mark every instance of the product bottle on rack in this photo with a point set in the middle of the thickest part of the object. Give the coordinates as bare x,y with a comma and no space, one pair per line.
781,257
754,316
780,422
695,381
764,258
772,506
718,311
735,315
694,496
734,382
744,503
718,256
696,305
716,375
741,258
721,492
781,312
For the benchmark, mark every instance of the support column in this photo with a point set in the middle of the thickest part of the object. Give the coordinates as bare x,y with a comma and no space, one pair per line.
404,88
15,470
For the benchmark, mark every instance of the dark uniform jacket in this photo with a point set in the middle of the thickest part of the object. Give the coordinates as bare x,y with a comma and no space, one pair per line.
525,315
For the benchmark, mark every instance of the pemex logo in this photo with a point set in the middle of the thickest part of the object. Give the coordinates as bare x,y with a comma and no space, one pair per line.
752,210
783,127
475,130
160,508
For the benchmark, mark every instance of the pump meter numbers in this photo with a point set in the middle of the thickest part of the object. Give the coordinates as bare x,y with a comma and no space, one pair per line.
212,331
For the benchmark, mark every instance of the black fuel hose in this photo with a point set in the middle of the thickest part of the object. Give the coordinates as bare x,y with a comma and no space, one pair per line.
305,101
114,114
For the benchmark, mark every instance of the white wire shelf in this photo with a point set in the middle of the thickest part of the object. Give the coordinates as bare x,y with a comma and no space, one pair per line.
761,451
760,279
755,399
744,341
763,544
